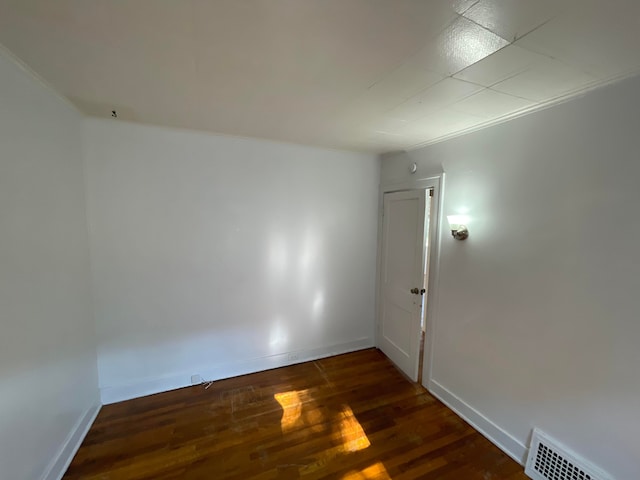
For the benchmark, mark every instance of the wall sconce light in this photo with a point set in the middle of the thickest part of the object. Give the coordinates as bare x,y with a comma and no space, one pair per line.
459,230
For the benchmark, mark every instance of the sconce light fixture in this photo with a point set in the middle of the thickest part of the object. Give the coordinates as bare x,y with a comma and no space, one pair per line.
459,230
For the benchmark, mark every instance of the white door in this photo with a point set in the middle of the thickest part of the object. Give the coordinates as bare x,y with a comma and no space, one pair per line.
402,278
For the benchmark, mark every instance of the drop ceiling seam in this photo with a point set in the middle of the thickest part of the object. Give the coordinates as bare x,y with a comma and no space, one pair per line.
526,111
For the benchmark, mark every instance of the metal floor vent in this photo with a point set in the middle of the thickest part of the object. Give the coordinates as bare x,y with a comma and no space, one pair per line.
549,460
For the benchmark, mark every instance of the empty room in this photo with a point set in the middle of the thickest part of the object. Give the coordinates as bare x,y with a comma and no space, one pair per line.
319,239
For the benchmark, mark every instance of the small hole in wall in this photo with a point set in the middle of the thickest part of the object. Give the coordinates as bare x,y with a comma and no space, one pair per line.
114,114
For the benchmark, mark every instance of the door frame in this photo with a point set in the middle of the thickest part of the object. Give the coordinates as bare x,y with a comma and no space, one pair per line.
435,236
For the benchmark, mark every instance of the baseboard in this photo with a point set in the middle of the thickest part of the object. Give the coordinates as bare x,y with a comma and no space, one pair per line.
61,461
149,386
496,435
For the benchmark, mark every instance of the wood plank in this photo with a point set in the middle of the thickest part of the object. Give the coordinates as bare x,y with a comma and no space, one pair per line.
351,417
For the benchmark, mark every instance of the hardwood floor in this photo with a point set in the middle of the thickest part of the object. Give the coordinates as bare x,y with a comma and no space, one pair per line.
351,417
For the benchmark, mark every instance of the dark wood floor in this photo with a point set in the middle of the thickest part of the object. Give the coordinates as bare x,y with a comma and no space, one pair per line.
351,417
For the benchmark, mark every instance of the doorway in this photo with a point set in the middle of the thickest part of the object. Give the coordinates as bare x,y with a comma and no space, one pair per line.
404,278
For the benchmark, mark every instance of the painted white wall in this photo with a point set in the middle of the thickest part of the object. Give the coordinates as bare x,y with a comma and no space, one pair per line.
217,255
537,316
48,374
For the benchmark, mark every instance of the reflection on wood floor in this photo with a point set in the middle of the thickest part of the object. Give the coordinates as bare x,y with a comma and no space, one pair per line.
351,417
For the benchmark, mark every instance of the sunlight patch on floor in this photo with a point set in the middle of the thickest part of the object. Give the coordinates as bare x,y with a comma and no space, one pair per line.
375,471
300,411
291,403
351,432
294,416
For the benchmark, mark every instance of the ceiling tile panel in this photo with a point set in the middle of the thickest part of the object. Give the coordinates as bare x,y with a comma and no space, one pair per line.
501,65
512,19
395,138
461,6
544,81
441,123
491,104
389,125
461,44
400,85
444,93
601,38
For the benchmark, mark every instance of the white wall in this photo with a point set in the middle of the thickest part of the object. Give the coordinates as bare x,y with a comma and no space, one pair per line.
48,374
537,321
218,255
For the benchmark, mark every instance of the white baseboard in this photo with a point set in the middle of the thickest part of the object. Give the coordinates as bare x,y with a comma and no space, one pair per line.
496,435
149,386
59,464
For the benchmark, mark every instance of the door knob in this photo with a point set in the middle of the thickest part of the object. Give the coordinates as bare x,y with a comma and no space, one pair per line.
415,291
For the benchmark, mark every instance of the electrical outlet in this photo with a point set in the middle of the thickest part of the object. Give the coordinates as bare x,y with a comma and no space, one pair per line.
196,379
293,356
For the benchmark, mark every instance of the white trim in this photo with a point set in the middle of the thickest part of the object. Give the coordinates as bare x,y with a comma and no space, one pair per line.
150,386
417,184
431,314
496,435
59,464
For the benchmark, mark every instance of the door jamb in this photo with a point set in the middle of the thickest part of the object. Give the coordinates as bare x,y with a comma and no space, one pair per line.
435,232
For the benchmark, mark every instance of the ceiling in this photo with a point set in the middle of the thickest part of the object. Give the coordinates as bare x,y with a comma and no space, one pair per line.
370,75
